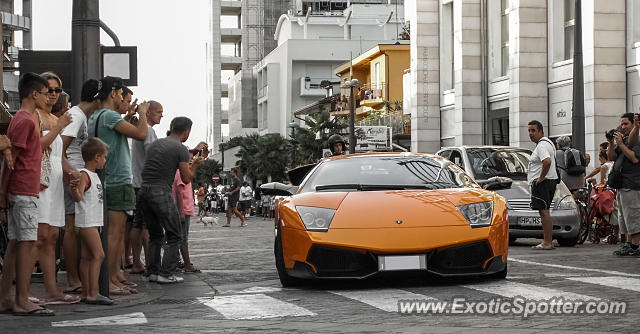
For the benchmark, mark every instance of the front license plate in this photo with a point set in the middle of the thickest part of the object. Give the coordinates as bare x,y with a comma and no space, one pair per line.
402,262
530,221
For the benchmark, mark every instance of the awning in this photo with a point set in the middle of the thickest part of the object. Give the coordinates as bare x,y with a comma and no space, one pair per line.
315,106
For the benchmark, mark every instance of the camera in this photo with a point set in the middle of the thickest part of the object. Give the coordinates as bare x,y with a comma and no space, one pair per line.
610,134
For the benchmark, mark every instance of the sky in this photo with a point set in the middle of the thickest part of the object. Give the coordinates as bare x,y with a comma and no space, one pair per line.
170,36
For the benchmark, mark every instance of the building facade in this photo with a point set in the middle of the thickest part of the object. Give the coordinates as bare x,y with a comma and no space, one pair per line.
481,70
309,48
16,36
241,34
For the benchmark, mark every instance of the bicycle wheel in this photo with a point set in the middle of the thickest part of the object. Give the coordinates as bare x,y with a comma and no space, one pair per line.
583,232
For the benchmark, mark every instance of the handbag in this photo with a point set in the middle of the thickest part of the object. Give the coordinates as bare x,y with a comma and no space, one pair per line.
45,163
615,179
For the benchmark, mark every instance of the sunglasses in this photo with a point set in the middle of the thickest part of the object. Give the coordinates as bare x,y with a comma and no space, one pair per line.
55,90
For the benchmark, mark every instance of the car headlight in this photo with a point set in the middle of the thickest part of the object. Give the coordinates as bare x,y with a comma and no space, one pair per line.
315,219
566,203
477,214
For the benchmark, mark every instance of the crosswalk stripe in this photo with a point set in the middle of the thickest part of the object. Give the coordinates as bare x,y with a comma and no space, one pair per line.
384,299
625,283
559,266
511,289
254,306
137,318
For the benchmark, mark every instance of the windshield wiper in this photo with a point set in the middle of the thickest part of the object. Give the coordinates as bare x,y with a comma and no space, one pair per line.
369,187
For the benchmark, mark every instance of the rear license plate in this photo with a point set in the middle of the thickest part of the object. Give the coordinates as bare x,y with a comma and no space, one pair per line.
402,262
530,221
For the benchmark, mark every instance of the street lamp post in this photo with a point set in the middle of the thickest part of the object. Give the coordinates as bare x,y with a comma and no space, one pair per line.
578,83
293,125
352,84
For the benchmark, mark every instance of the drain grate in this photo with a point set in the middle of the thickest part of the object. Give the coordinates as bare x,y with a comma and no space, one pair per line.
185,301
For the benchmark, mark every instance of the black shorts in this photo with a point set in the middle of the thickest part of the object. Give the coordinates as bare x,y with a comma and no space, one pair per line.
244,205
542,194
232,203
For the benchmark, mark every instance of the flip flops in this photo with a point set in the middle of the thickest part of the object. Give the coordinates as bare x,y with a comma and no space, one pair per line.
120,292
39,312
74,291
100,300
129,284
36,301
66,300
541,247
194,271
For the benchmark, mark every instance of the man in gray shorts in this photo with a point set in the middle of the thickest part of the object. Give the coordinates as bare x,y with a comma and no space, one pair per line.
19,191
628,197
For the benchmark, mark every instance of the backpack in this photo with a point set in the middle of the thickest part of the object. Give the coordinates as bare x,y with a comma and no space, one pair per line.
573,162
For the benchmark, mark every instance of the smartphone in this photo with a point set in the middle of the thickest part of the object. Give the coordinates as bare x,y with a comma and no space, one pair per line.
195,157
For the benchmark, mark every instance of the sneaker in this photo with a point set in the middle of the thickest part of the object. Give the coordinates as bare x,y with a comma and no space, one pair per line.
624,249
169,280
180,265
152,278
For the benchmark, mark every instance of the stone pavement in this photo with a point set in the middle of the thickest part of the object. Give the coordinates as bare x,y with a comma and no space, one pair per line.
238,291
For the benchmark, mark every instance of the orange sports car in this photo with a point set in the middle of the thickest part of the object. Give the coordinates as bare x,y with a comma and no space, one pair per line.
359,215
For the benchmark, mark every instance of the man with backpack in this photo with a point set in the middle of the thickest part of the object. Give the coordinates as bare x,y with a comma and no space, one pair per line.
571,164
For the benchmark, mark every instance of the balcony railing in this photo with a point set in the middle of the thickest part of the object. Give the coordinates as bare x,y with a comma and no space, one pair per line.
375,92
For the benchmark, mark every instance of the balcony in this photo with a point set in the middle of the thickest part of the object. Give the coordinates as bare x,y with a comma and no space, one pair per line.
372,95
15,22
231,63
230,7
313,86
263,91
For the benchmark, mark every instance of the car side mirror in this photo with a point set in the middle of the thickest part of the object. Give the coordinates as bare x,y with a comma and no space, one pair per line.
278,189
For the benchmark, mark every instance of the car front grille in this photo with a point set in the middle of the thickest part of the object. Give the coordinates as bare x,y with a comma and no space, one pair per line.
336,262
460,259
522,204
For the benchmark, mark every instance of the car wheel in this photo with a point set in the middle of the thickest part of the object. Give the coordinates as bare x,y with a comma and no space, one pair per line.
502,274
285,279
568,242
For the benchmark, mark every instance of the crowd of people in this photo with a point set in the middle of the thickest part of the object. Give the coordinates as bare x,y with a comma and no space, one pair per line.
53,158
219,199
619,171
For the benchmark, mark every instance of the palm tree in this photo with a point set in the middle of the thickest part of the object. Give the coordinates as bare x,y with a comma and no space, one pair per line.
264,157
205,172
308,147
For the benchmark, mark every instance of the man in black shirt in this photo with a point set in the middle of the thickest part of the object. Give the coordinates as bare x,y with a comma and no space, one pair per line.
233,196
159,210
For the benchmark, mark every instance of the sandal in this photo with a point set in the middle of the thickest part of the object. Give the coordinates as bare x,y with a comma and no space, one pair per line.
194,271
74,291
66,300
39,312
120,292
100,300
227,225
129,284
36,301
541,247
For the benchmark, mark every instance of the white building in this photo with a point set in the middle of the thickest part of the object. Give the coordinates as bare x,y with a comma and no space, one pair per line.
481,70
309,48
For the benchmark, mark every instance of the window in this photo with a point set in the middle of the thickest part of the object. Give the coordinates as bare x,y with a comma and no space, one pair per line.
504,36
569,27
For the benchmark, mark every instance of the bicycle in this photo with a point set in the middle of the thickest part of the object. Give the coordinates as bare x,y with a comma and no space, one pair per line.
582,198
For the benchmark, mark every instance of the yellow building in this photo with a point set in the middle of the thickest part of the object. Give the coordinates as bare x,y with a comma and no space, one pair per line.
380,72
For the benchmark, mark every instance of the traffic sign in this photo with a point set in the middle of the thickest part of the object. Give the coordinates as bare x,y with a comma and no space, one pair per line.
215,178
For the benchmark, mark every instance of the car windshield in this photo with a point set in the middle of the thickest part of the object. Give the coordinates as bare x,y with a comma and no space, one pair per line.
490,162
381,172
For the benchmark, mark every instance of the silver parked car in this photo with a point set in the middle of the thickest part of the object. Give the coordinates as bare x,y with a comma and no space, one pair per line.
504,169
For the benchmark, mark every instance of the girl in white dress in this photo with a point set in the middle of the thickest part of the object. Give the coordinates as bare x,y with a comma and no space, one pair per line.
51,197
89,197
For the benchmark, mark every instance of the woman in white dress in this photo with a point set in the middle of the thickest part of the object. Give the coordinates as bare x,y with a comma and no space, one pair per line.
51,203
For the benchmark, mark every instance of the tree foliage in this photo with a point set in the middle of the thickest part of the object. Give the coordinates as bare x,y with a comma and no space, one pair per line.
308,148
264,157
206,171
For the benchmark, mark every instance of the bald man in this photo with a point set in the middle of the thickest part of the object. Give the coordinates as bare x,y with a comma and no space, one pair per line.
139,235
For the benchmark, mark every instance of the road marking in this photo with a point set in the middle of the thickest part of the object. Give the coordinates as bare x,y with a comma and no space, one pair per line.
230,252
137,318
256,306
511,289
384,299
609,272
625,283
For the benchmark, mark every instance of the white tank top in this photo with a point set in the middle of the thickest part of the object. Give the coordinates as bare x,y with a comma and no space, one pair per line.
89,211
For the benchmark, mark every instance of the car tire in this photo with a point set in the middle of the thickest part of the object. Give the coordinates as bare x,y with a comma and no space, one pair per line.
285,279
568,242
502,274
